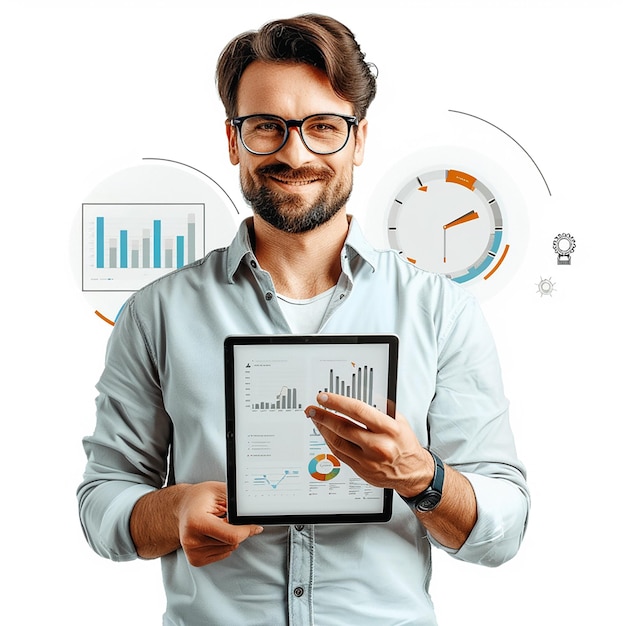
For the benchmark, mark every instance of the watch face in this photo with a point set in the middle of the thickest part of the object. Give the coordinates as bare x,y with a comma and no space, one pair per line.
429,501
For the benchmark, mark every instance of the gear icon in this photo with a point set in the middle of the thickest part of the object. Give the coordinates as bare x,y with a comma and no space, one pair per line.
545,287
564,245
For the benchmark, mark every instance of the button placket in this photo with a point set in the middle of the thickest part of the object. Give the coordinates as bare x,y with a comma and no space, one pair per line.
301,553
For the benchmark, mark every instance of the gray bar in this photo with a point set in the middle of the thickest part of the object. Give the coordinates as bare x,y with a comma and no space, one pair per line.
191,237
113,253
146,248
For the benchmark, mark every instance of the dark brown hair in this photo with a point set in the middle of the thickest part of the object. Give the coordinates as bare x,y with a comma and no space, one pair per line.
316,40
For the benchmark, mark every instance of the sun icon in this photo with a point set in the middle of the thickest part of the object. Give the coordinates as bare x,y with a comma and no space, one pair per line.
545,287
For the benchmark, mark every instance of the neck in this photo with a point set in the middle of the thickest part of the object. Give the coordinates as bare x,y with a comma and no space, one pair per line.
302,265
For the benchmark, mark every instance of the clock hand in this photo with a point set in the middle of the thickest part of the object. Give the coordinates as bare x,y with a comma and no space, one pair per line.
468,217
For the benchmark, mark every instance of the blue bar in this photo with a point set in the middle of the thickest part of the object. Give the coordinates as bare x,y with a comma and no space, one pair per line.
99,242
157,243
180,250
124,248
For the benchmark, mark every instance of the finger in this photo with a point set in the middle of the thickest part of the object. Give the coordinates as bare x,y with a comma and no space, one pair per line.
203,555
370,417
330,423
221,540
230,534
214,529
343,437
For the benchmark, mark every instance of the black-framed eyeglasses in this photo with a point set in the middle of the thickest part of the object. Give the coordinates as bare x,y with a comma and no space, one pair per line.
322,133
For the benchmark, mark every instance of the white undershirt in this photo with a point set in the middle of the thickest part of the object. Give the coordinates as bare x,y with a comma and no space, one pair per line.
305,316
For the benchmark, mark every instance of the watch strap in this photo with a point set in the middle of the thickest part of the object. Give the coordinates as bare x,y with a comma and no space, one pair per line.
437,482
434,489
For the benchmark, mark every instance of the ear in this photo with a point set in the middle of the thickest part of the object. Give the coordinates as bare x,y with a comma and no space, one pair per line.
359,147
233,143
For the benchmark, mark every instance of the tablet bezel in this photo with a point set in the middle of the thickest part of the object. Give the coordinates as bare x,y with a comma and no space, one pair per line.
230,342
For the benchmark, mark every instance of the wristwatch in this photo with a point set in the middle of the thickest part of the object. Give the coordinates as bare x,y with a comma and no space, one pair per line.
430,498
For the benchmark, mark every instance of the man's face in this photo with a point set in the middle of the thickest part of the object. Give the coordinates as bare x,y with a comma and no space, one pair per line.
293,189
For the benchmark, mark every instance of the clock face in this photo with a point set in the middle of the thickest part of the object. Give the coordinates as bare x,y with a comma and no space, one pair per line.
447,221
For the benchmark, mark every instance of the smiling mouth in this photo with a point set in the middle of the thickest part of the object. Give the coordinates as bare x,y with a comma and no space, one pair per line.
298,182
283,175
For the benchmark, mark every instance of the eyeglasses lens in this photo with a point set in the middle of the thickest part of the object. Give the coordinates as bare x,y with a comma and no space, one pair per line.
322,134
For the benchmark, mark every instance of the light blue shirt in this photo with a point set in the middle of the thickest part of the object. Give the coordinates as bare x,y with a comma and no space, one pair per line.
160,420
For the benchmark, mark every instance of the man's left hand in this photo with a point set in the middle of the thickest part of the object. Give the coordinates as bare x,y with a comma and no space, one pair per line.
382,450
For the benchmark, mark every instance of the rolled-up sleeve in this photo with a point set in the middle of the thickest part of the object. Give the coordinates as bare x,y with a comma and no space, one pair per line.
469,428
127,453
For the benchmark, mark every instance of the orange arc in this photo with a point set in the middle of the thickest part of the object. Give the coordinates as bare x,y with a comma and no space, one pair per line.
105,318
497,265
461,178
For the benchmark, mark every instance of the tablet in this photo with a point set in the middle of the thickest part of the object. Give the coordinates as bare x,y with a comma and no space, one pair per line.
279,468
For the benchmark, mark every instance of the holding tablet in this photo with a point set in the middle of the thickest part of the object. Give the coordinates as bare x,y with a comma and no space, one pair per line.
279,468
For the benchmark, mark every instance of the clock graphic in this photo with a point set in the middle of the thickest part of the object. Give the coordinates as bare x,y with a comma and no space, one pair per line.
450,222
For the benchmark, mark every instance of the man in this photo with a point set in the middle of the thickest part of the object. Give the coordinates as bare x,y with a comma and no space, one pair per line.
296,94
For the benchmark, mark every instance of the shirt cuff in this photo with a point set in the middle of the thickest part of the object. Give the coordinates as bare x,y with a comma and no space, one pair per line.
114,540
500,525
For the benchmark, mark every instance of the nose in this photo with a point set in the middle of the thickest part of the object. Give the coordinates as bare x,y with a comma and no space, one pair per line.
294,153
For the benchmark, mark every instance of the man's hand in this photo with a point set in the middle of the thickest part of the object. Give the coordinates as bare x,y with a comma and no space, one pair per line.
187,516
204,533
386,453
381,450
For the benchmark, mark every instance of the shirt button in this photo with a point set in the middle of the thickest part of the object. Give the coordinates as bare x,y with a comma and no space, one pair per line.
253,263
298,592
299,527
269,295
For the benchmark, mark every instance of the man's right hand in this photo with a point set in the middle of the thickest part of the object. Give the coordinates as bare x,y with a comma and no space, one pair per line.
191,517
205,535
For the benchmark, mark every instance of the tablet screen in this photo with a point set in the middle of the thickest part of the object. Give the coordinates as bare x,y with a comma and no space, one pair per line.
279,468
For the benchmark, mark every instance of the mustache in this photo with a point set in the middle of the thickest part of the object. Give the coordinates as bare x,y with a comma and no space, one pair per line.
302,173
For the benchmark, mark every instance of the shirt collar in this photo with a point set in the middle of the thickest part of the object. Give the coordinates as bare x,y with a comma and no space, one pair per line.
241,246
357,245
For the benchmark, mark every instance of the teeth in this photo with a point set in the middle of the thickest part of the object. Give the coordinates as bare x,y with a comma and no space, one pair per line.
295,182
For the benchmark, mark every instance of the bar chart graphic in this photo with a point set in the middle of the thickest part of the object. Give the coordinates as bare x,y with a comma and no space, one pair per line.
286,399
346,378
358,384
125,246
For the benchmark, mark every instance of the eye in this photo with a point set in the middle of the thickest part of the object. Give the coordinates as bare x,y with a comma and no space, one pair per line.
322,126
325,126
264,125
268,127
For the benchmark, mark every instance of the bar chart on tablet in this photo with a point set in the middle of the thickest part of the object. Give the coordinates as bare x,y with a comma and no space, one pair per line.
288,386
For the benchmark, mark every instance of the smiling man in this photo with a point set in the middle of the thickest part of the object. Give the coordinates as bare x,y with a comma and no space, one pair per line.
293,188
296,94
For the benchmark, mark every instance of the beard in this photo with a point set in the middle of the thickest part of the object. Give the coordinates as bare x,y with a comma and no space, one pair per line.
291,213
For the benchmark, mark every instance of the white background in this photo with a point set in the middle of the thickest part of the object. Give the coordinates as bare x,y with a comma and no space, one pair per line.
90,87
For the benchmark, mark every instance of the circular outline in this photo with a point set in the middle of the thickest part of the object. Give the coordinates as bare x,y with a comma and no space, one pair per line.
564,237
439,155
488,200
318,475
109,304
